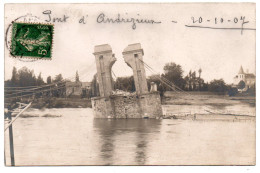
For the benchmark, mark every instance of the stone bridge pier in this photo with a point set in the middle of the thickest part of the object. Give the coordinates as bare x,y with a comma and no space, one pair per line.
141,104
133,56
104,62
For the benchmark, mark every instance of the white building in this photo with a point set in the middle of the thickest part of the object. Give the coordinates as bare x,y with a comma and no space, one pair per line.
248,78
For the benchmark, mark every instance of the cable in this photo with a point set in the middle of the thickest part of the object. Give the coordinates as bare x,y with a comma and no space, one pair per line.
30,94
42,86
51,89
153,71
36,86
167,82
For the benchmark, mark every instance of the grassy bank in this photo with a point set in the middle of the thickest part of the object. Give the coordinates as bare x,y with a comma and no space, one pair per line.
204,98
169,98
61,103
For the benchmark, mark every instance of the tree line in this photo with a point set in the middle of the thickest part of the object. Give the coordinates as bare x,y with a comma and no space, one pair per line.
25,82
25,77
174,73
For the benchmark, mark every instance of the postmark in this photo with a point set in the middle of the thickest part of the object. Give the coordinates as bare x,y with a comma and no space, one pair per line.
32,40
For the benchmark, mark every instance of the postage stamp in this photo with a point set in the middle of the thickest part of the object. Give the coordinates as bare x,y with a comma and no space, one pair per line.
32,40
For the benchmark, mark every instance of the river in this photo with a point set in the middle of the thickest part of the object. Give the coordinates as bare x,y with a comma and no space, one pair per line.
74,137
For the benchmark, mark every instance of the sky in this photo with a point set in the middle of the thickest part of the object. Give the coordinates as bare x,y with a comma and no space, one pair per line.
219,53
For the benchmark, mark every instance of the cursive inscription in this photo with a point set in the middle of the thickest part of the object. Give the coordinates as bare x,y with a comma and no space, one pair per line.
217,23
237,23
55,19
102,18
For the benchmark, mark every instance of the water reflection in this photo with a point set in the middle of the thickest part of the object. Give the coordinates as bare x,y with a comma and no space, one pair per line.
76,138
134,135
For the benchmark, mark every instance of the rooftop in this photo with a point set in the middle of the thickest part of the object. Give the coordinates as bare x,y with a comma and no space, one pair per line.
241,71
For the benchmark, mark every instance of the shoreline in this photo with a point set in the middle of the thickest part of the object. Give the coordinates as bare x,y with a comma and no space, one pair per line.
194,106
169,98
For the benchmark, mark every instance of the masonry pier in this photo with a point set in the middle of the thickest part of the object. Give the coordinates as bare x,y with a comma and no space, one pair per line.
141,104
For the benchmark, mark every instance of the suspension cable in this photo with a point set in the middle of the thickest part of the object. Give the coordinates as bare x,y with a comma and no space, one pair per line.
51,89
36,86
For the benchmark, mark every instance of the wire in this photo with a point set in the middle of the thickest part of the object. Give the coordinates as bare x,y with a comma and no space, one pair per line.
167,81
30,94
51,89
36,86
43,86
163,80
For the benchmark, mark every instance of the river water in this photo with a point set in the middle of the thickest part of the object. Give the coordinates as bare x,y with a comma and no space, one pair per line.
74,137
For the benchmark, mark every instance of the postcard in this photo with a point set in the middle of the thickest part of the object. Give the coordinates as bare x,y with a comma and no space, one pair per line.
130,84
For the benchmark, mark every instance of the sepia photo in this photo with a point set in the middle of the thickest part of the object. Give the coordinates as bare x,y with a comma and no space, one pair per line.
130,84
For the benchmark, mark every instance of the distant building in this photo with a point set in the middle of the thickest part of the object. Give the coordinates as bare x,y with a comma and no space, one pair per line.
77,89
248,78
73,89
86,89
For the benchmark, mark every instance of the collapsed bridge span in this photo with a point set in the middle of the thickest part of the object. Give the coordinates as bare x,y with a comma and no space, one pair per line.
141,104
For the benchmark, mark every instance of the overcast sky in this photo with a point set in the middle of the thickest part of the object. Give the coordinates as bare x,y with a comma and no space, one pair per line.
219,53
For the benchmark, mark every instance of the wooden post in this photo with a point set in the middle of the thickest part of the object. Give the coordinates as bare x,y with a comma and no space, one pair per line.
11,142
10,127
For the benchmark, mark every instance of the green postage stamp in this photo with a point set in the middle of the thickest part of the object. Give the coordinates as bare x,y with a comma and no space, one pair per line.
32,40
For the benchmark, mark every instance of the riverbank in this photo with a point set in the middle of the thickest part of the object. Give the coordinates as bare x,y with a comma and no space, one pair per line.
205,98
61,103
207,106
169,98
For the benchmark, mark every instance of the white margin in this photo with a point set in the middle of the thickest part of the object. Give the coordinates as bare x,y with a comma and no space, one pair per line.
119,169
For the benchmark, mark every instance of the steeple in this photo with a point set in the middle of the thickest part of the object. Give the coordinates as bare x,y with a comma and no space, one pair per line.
241,71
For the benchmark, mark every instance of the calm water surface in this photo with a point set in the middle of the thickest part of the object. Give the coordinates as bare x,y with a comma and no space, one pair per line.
76,138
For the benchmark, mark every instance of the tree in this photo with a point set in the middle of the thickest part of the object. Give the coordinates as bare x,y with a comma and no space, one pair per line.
217,86
58,78
193,75
26,77
194,83
241,85
200,79
125,84
231,90
190,81
15,77
200,72
39,80
77,76
94,86
49,93
251,90
59,88
173,72
205,86
49,80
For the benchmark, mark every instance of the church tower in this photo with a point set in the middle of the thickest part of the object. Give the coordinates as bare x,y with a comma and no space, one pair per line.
241,74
